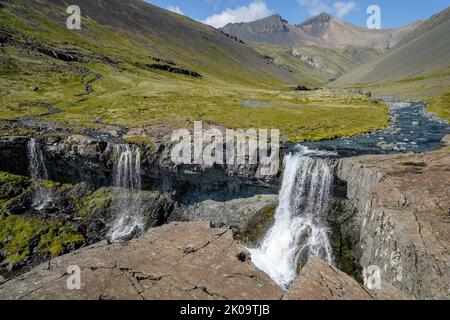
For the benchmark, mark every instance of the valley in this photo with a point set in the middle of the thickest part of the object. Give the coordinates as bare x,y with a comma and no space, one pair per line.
87,176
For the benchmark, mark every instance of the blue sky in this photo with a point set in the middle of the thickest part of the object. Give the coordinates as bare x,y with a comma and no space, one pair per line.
394,13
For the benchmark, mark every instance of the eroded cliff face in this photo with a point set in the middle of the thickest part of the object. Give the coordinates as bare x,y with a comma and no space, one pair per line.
83,201
391,212
79,158
402,219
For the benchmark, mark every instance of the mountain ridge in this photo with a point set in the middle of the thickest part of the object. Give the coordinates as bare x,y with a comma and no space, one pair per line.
421,54
322,30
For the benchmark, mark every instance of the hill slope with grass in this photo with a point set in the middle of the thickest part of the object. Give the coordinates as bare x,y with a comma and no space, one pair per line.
417,68
423,53
134,65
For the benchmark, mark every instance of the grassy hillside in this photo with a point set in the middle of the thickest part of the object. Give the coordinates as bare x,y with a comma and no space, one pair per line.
335,61
417,68
123,68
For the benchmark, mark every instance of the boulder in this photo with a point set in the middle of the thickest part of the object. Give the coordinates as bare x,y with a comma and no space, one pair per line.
446,141
320,281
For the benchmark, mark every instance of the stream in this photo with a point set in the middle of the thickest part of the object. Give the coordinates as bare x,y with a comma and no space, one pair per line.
412,129
300,229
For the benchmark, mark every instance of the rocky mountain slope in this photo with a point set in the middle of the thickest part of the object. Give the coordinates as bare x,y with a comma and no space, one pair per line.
336,32
421,55
321,48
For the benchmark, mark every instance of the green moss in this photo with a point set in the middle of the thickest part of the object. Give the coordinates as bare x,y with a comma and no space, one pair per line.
11,186
257,226
48,184
414,164
442,213
57,238
101,199
17,234
139,140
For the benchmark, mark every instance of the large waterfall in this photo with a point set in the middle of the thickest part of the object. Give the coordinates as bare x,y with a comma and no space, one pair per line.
127,179
41,196
299,231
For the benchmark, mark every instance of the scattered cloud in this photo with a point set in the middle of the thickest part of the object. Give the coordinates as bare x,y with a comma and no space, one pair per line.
338,8
175,9
254,11
342,9
315,7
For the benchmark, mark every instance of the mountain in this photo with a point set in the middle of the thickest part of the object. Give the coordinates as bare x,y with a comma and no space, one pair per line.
319,50
272,30
421,55
138,27
322,30
336,32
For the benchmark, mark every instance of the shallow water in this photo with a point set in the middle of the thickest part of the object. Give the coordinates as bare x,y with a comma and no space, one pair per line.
413,130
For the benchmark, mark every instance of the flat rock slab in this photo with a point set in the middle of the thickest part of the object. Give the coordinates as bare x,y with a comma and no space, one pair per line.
176,261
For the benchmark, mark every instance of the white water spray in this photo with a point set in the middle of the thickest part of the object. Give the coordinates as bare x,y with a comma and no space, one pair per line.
299,231
127,178
41,196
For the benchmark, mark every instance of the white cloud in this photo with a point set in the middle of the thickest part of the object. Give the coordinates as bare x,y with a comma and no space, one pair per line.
254,11
343,8
175,9
340,9
315,7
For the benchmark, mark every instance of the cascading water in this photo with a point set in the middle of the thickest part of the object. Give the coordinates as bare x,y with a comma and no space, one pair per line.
299,231
127,178
41,196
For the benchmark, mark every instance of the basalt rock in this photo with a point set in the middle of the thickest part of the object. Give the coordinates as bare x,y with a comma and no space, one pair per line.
80,158
320,281
402,219
249,218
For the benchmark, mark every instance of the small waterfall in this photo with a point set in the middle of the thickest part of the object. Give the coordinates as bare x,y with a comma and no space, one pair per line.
127,178
41,196
299,231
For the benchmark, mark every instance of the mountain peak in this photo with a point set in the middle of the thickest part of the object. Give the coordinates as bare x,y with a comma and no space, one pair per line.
273,19
320,19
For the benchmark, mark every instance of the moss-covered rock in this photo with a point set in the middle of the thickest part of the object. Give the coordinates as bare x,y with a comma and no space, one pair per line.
11,186
26,238
257,226
98,201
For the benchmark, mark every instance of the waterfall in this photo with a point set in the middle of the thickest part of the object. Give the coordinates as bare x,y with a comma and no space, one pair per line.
127,178
41,196
299,231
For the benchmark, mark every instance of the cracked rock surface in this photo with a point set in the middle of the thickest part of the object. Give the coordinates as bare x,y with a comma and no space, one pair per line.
175,261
